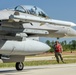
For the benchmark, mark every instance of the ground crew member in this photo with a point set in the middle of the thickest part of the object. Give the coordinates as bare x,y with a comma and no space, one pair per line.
58,50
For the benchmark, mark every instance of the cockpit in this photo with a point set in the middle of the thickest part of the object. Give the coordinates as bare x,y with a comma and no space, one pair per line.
33,10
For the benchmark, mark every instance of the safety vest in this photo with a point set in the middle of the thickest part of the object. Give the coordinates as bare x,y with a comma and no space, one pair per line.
58,48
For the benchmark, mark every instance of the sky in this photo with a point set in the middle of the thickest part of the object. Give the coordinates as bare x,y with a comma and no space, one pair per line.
55,9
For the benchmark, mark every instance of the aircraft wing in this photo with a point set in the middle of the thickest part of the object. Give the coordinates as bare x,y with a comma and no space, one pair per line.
15,30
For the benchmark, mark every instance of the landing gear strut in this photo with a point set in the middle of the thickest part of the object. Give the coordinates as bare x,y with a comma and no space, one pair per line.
19,66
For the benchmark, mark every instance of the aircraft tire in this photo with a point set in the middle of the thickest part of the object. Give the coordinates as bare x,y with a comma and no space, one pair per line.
19,66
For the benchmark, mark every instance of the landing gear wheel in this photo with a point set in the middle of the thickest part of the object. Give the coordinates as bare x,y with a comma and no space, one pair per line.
19,66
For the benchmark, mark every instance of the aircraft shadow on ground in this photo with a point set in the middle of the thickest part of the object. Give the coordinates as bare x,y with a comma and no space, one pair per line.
7,71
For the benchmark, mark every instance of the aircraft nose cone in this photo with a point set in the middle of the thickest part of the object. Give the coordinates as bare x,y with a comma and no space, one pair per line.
74,32
71,33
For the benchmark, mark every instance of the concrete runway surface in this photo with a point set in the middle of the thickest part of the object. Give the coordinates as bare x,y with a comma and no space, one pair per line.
58,69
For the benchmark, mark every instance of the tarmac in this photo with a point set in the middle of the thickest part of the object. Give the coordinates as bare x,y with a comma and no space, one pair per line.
57,69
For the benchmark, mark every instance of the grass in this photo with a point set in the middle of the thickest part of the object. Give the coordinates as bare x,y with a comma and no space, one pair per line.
37,63
69,56
3,65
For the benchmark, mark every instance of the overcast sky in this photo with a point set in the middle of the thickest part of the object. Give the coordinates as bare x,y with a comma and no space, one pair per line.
56,9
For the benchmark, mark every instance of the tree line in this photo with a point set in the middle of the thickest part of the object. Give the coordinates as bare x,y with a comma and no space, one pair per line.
71,46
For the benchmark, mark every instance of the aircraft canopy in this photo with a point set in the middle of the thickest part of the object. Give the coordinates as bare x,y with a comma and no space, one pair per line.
33,10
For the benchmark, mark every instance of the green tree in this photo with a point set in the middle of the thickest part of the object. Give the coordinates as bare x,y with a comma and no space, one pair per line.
51,45
48,42
73,44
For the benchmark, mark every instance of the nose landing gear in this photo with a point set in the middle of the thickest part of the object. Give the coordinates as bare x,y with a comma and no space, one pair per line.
19,66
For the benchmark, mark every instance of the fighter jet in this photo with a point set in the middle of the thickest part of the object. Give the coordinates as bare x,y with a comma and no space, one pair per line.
23,22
